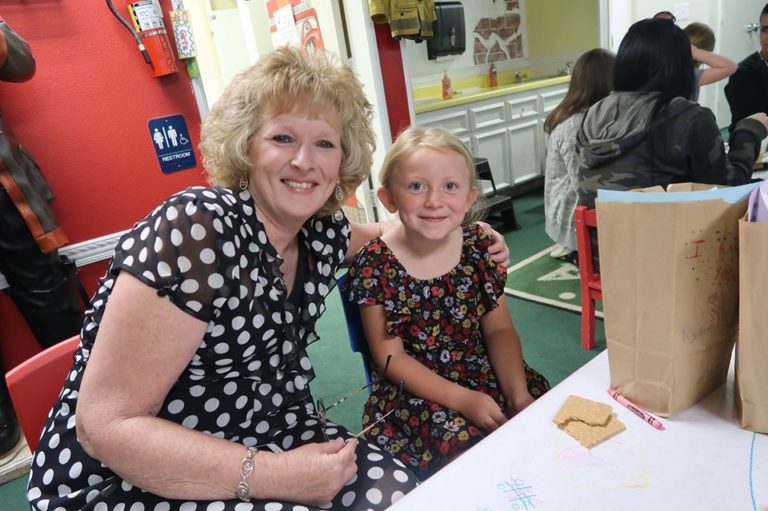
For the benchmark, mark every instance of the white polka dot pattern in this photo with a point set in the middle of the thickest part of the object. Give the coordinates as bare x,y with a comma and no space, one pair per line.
205,249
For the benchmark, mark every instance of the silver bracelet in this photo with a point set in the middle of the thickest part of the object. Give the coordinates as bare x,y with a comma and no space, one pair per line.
243,492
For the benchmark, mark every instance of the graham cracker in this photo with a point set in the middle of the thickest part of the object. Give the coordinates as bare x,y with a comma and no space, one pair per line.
589,435
583,409
587,421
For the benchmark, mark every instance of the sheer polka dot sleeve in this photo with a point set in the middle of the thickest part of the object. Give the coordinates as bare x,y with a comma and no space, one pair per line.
185,249
328,238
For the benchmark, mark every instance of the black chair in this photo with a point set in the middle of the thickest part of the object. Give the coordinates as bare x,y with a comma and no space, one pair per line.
498,209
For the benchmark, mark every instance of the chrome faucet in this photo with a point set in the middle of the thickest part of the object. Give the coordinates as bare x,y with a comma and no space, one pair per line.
520,77
565,71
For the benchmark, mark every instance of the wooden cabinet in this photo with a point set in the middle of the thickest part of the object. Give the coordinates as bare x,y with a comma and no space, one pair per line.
494,145
506,129
525,151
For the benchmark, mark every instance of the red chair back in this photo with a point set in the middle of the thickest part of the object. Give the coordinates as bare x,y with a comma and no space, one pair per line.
35,384
591,287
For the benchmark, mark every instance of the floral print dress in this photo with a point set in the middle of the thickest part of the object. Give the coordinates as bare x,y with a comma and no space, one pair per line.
438,321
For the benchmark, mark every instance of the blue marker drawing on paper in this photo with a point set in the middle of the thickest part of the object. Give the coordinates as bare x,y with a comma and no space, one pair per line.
521,496
751,466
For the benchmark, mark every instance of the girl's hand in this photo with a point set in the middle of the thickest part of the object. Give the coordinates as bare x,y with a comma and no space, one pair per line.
322,468
482,410
519,402
695,52
498,249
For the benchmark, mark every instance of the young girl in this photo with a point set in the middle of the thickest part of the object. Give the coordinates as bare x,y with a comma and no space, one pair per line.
718,68
592,80
431,298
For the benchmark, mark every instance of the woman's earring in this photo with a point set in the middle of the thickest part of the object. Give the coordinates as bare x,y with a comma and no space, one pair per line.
339,193
243,184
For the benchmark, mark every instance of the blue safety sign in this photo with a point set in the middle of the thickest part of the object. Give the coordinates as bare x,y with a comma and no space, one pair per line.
170,138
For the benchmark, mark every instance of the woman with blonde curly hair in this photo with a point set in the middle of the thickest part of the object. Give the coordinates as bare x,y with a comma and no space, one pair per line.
191,379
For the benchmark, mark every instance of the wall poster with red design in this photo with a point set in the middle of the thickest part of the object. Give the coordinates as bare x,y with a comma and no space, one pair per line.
308,34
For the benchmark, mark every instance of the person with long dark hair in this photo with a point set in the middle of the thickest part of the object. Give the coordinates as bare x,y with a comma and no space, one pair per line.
592,80
649,133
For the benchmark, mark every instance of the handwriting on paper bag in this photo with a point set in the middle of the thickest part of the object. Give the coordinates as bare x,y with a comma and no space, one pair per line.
692,334
714,261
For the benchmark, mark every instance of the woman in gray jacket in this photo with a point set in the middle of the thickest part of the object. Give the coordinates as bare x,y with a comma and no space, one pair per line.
648,133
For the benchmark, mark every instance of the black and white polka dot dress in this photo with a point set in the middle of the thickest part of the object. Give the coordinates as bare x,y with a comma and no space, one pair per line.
207,251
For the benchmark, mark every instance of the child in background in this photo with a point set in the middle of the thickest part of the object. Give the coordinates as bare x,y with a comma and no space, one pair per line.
431,298
592,80
702,44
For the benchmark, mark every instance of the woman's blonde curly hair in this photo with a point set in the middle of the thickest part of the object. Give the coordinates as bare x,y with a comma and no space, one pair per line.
281,80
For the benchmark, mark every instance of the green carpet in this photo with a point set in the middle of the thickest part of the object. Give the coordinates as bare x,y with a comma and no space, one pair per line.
543,279
550,338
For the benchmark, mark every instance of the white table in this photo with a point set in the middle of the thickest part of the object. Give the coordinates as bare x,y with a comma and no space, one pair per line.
701,461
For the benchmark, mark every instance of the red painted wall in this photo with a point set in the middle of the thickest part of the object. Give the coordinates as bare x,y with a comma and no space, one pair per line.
393,78
84,119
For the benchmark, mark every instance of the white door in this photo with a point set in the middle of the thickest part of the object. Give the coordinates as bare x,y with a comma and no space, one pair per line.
619,19
735,41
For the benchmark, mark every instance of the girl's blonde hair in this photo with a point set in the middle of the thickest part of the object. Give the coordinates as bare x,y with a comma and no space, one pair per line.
701,36
285,79
416,137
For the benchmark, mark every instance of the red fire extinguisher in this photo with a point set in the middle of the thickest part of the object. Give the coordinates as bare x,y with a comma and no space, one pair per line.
150,34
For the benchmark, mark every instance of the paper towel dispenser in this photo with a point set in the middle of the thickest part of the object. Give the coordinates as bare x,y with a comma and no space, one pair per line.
449,34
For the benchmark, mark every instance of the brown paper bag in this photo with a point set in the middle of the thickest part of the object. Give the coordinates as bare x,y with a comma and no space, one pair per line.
752,345
670,295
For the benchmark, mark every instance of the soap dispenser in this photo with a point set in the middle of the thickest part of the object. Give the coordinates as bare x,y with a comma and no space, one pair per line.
492,80
447,88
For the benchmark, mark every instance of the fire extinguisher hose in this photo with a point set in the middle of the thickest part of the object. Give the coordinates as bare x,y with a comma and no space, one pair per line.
128,26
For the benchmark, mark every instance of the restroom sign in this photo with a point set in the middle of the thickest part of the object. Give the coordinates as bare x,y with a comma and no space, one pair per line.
170,138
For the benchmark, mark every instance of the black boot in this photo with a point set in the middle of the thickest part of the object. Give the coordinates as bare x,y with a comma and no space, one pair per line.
9,426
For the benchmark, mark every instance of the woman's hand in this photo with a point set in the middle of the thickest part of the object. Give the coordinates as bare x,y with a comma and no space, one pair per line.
318,472
498,249
481,409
